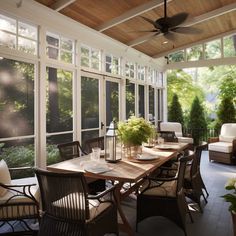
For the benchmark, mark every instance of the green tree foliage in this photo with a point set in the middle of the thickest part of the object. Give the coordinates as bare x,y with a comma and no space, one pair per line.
197,121
228,86
175,113
182,84
226,112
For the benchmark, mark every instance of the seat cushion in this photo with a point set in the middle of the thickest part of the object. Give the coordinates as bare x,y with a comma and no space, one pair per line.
223,138
185,140
5,177
9,211
225,147
167,189
95,207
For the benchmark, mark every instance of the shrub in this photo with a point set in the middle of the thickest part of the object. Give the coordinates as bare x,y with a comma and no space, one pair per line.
226,112
197,121
175,113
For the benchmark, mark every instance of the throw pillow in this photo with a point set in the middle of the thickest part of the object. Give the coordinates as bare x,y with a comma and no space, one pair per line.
5,177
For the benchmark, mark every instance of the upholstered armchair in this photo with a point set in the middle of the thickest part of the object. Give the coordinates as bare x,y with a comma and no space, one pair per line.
223,148
177,128
19,202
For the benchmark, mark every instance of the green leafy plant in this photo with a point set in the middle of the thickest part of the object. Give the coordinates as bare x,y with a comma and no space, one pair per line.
135,131
231,197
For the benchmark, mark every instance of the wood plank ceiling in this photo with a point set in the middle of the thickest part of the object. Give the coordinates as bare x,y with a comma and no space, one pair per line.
121,20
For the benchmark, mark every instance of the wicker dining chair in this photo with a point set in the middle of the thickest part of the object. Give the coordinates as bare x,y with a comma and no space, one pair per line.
164,197
72,150
94,142
193,183
67,209
198,150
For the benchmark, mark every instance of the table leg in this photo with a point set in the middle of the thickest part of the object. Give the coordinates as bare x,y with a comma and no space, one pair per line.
125,226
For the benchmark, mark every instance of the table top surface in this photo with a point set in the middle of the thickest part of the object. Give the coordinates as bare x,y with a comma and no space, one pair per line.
127,169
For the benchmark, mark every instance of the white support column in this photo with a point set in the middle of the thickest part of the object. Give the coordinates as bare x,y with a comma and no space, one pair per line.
77,95
164,102
40,141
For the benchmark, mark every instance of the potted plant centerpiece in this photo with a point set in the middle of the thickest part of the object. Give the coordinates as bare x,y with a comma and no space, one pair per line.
231,198
133,133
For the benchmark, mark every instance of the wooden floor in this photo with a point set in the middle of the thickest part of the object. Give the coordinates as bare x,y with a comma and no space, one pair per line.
215,219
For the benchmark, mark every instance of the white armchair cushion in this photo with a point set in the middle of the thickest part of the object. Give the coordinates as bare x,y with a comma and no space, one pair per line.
5,177
225,147
185,140
172,126
229,139
228,129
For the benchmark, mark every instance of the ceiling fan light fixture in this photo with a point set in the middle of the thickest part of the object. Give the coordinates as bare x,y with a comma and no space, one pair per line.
165,42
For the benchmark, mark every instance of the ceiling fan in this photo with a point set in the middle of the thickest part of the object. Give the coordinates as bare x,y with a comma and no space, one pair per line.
168,26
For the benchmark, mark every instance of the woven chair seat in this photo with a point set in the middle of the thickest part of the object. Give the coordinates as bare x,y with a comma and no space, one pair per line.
95,207
165,189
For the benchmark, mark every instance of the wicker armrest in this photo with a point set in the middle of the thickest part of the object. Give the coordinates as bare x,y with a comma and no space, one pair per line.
234,146
20,189
100,195
213,139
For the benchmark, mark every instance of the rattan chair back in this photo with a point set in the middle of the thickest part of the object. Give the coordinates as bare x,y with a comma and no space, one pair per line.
94,142
64,195
70,150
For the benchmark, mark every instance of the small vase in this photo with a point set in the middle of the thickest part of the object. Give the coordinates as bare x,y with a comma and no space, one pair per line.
132,151
234,221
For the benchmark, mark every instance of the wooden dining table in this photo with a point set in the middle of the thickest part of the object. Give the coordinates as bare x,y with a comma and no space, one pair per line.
128,170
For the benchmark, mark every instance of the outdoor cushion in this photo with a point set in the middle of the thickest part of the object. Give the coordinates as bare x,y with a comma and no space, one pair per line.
185,140
167,189
225,147
19,210
172,126
95,207
5,177
228,129
223,138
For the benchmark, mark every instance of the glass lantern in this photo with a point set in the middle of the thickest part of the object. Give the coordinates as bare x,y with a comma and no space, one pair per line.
112,144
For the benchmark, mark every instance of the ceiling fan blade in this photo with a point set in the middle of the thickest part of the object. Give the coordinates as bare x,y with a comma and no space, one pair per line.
170,36
139,31
150,21
177,19
186,30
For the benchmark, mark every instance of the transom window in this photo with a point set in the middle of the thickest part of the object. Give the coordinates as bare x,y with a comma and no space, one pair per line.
141,72
130,70
112,64
60,48
18,35
90,57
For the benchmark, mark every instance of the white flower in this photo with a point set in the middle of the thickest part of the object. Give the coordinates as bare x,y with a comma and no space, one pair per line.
231,183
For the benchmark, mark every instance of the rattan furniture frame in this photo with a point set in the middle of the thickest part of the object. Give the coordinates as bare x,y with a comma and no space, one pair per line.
66,206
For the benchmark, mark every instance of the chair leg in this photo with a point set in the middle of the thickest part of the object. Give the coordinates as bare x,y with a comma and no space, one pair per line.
190,216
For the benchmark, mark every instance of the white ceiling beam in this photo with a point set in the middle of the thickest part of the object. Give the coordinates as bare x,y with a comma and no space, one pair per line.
130,14
191,22
60,4
195,43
